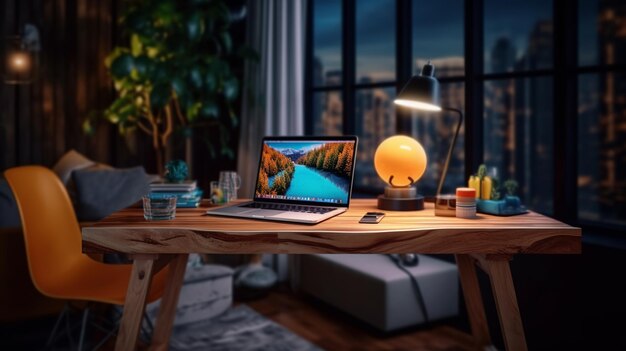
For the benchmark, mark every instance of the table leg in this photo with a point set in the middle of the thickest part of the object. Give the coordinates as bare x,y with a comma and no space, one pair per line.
473,300
169,302
140,279
506,303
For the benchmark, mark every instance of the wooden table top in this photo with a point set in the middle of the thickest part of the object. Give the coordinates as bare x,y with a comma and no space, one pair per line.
192,231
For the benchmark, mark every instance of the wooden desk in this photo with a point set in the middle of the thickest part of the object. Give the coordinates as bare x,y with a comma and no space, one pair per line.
488,242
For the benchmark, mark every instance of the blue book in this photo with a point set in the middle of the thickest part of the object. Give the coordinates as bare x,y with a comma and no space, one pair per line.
184,199
179,194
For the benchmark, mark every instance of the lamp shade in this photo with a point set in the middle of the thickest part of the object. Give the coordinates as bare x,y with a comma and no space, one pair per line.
17,62
421,92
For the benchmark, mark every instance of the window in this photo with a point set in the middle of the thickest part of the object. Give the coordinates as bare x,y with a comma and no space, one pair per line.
602,112
546,84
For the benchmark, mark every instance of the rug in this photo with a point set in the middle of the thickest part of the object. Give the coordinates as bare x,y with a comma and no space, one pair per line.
238,329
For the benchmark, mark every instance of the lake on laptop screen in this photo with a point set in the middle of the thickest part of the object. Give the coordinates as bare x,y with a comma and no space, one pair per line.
306,170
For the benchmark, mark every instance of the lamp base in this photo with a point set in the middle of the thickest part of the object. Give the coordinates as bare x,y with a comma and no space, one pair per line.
415,203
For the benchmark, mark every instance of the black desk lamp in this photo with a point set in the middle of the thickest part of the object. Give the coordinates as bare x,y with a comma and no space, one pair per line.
422,93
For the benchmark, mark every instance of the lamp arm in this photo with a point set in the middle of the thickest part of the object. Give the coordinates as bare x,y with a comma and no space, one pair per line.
456,134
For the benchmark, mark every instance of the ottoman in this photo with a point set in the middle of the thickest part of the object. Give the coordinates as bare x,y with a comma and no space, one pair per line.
373,289
207,291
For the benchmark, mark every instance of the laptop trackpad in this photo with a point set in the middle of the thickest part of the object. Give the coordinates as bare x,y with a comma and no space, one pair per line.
264,213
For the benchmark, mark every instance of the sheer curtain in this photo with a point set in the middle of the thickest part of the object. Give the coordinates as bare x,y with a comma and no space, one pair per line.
273,96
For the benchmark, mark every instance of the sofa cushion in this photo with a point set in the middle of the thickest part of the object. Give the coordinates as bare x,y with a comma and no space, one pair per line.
9,214
102,192
71,161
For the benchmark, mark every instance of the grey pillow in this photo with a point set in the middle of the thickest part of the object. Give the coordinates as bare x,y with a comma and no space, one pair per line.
9,214
102,192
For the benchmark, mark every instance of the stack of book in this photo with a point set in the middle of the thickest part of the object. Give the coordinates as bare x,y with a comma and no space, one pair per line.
187,193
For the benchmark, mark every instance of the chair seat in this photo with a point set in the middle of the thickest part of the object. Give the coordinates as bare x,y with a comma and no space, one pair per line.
90,280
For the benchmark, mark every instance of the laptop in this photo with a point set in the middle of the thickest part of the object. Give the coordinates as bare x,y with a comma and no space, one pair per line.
300,179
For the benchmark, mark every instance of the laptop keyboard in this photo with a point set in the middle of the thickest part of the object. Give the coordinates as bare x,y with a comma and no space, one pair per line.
289,207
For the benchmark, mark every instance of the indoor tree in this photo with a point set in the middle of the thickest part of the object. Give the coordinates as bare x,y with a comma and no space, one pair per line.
176,73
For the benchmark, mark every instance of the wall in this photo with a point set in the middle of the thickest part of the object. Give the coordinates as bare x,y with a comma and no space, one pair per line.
39,122
42,120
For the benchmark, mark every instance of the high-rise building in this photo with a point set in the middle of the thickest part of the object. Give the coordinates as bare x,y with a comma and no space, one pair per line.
499,111
612,123
377,121
533,125
435,130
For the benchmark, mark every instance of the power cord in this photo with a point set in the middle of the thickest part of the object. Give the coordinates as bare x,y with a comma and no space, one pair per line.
401,262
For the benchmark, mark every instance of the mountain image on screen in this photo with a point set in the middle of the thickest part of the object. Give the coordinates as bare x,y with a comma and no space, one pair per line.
306,171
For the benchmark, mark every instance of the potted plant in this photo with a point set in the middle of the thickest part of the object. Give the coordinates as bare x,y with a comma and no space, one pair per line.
175,73
489,194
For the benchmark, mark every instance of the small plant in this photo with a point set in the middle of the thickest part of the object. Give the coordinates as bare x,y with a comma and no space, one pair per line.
176,171
482,172
495,194
511,187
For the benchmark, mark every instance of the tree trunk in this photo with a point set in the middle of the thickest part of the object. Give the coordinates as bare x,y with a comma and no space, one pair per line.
189,152
160,155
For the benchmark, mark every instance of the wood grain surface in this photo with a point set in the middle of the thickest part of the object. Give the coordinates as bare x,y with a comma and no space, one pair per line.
399,232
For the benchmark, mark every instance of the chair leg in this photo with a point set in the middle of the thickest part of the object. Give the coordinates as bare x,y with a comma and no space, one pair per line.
148,323
53,334
68,331
83,327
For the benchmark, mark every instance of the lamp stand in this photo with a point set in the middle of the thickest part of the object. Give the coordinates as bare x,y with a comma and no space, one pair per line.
456,135
401,199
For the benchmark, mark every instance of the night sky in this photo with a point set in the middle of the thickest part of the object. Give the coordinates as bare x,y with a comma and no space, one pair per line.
437,30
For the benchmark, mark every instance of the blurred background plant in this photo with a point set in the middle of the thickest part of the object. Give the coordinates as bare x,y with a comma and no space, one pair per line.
175,75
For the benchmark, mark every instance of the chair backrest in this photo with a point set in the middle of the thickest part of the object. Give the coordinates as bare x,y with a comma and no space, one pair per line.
51,231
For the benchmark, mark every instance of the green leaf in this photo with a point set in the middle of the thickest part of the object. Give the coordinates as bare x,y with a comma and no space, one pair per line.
165,13
135,45
160,95
195,26
233,116
144,66
88,127
193,111
180,88
227,41
210,81
195,76
231,89
160,72
210,109
122,66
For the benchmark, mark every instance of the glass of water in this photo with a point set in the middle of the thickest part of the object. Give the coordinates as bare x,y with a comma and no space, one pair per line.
161,208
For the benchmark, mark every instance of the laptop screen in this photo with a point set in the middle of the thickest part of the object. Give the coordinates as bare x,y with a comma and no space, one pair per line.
306,170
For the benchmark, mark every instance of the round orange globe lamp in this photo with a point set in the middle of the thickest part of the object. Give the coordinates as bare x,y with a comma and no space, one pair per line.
400,161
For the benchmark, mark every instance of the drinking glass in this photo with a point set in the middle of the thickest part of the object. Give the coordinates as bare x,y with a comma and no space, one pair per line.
159,208
217,193
229,182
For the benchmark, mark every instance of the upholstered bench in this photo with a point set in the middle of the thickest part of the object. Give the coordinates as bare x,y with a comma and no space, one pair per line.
373,289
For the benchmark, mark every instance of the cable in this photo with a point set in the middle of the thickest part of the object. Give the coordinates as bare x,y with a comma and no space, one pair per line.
418,292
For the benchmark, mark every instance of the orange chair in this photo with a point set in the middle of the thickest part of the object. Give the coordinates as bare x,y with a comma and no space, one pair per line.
57,266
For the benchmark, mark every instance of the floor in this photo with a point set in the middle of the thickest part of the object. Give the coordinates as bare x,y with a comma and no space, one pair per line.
311,319
332,330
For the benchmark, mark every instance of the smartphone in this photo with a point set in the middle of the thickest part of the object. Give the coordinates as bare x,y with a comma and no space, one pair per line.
372,217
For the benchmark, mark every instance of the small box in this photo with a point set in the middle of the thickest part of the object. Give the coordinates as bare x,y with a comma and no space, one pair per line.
207,291
373,289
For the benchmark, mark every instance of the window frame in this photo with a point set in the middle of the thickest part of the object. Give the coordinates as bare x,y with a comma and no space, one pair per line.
564,73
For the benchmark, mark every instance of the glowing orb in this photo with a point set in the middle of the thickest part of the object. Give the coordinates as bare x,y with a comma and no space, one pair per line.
400,161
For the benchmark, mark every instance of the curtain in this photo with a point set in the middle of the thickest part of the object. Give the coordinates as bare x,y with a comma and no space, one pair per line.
273,96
